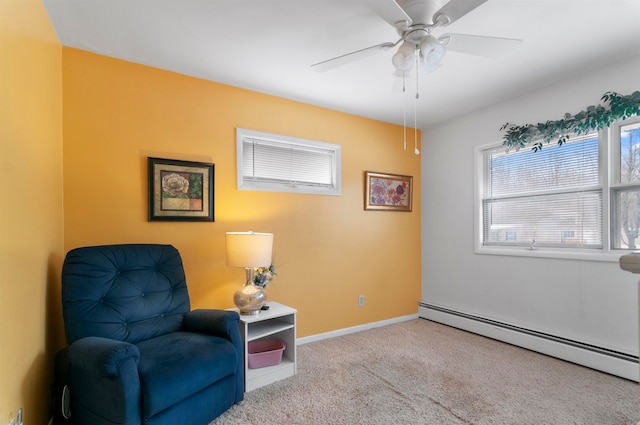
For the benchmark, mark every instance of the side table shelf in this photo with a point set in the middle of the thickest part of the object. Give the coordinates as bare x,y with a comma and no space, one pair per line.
279,322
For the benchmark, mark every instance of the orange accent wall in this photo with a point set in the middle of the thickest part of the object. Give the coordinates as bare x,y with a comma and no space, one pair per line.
328,250
31,210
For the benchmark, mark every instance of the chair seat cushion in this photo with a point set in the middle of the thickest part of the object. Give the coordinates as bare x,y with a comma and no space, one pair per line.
177,365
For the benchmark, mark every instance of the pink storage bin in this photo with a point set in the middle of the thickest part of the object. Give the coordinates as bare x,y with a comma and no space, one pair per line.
265,353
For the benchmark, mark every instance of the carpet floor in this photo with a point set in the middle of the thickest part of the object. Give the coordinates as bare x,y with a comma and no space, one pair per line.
422,372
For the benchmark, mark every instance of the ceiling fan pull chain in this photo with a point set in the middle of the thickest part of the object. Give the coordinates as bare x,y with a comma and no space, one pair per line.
404,123
404,110
404,81
415,127
415,112
417,77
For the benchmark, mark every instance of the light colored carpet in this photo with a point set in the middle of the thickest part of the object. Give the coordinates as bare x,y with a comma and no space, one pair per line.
421,372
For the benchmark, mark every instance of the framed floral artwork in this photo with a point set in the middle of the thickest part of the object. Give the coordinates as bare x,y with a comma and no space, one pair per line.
388,192
180,190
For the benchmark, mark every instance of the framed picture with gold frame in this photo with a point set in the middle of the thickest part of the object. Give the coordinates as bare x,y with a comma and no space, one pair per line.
388,192
180,190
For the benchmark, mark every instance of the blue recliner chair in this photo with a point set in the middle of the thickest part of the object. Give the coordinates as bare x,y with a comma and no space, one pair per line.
137,353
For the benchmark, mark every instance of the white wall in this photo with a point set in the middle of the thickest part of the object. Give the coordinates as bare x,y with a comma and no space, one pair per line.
593,302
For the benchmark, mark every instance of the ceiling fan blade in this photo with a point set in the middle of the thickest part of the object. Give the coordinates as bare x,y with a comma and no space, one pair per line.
455,10
390,11
479,45
351,57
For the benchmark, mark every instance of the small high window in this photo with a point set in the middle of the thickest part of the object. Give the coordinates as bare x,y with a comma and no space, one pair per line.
276,163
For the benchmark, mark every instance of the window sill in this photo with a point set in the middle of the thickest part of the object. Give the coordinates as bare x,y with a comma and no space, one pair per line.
556,254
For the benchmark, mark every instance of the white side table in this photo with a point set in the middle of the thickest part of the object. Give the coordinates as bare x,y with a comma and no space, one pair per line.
279,322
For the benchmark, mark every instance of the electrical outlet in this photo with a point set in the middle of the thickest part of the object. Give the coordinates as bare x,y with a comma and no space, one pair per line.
360,300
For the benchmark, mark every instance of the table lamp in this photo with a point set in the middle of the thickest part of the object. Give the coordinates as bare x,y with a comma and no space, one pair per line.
249,250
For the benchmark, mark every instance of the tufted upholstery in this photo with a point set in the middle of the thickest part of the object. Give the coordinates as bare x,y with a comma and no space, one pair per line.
124,292
136,352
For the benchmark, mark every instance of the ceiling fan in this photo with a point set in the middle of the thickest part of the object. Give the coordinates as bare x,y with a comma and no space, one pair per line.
414,21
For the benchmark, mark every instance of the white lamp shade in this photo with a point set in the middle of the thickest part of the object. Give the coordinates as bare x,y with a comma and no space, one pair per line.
249,249
432,51
404,57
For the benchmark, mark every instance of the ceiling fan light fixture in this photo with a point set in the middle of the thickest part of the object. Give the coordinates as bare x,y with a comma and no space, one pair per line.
402,74
431,50
428,68
403,59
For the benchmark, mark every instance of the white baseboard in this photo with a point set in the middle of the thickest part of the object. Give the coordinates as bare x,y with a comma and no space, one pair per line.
623,367
346,331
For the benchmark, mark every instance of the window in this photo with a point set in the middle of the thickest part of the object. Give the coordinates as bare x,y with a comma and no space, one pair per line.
582,195
275,163
626,190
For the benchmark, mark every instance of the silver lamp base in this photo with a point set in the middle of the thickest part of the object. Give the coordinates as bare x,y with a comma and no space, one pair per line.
249,299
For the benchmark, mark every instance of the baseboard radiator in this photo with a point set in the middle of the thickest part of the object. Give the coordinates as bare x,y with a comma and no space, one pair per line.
609,361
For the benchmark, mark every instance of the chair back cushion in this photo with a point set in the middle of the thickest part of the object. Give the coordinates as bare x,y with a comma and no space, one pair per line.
125,292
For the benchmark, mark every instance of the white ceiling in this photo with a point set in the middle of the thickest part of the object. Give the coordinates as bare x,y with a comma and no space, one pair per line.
269,45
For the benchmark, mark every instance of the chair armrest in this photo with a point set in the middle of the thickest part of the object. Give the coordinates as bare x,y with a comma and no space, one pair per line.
221,323
102,354
104,380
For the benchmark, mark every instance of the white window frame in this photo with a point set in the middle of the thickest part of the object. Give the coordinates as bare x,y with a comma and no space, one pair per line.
332,149
609,166
614,184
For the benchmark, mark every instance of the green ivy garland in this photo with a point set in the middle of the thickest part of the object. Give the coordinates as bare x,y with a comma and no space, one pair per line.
615,107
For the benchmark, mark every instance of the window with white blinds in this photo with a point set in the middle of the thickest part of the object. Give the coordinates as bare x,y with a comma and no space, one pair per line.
625,227
550,198
271,162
